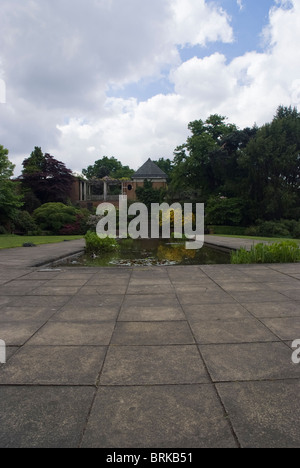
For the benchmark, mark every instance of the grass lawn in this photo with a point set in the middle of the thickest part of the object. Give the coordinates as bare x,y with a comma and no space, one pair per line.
10,241
268,239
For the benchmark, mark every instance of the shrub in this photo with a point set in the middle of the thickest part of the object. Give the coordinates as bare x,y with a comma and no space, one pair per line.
31,202
96,246
282,252
271,229
78,227
225,211
3,230
252,231
71,229
283,228
147,194
24,223
53,217
93,220
227,230
169,217
293,227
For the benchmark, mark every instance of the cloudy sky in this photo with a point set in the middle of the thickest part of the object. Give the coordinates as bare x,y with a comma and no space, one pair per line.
123,78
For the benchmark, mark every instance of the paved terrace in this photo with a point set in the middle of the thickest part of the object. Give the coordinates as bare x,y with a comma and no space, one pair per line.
175,357
231,243
47,254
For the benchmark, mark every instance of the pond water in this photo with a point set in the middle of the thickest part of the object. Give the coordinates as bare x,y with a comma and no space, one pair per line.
148,252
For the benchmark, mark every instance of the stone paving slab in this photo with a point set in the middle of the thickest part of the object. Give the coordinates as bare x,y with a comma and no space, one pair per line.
245,330
39,255
153,365
285,327
230,243
83,314
158,417
141,313
171,357
152,334
217,312
54,365
249,361
73,334
18,333
269,418
43,417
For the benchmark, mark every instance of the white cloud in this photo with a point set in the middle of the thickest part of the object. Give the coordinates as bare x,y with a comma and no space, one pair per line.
144,131
247,90
205,78
2,91
198,22
59,62
60,57
240,4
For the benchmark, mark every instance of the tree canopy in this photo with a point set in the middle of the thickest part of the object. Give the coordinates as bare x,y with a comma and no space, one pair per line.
47,178
244,176
10,199
108,167
148,195
165,165
199,163
272,162
258,167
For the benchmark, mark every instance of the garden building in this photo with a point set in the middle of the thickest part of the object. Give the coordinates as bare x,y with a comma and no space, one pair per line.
89,193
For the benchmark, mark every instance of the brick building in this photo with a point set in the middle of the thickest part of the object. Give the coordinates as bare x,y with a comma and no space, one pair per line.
89,193
149,171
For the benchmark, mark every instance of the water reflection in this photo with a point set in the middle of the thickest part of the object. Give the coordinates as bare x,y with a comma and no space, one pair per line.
175,253
148,252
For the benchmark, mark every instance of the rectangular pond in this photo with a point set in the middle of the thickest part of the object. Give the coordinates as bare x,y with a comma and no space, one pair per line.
149,252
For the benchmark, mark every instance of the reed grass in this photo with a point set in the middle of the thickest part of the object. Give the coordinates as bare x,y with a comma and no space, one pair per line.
278,252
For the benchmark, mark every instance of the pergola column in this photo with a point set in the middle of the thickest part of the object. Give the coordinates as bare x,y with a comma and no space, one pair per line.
105,190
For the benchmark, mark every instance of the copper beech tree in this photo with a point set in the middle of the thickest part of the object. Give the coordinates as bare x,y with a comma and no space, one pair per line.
47,178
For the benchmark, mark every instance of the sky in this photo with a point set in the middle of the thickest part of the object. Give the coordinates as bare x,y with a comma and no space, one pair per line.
123,78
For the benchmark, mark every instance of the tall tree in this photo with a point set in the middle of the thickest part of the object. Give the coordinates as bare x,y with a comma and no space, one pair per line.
272,162
165,165
107,167
194,160
35,162
148,195
10,199
48,178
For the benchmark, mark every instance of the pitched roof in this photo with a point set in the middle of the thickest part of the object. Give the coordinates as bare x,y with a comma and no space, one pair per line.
150,170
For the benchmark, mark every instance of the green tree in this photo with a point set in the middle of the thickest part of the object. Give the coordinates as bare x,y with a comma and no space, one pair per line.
194,160
224,211
165,165
35,163
108,167
147,194
272,162
31,166
10,199
227,173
